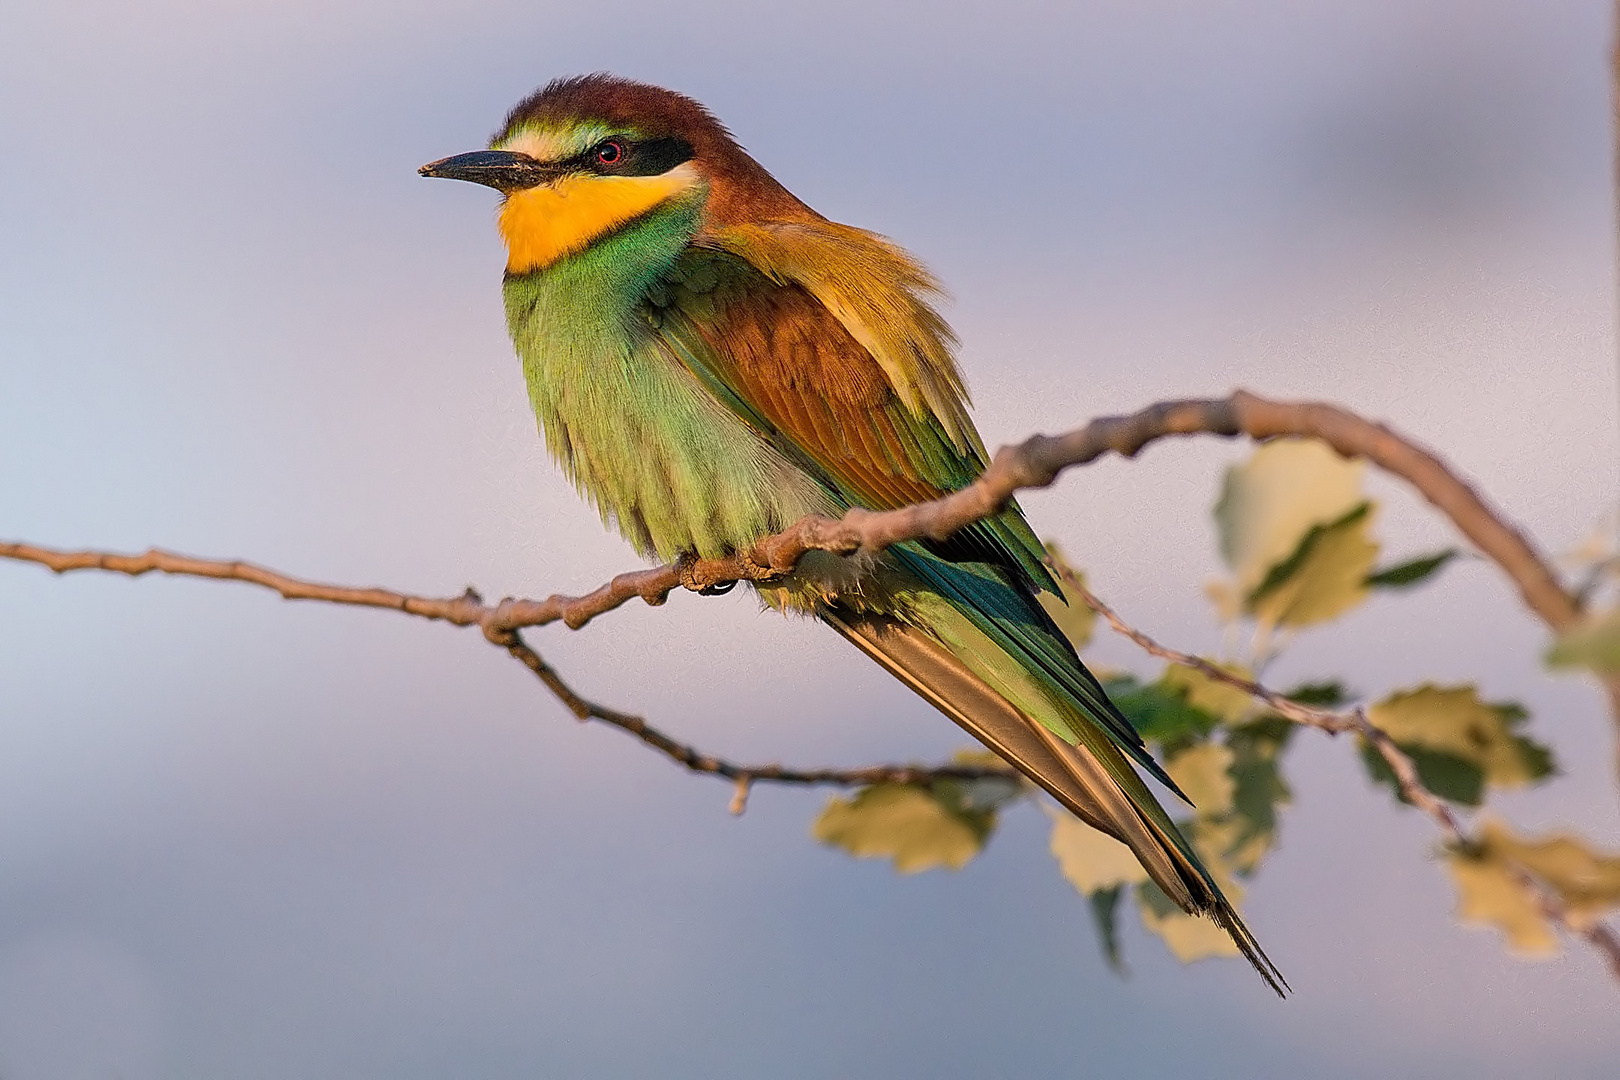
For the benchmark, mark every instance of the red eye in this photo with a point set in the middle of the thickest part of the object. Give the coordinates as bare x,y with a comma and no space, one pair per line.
610,152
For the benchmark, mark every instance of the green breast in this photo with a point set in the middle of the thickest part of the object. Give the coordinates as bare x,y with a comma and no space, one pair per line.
670,467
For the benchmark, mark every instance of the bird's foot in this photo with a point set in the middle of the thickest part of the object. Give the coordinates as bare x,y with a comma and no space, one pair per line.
754,570
686,569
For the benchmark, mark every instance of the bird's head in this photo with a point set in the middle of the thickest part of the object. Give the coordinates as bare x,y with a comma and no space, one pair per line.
584,157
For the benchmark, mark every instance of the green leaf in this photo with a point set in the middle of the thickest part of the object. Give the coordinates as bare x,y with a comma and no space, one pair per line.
1593,643
1448,776
1100,868
1269,503
1586,881
1091,860
1160,713
1323,578
1188,937
1075,618
1490,892
1287,568
1325,695
916,827
1454,723
988,793
1152,898
1202,771
1249,832
1405,575
1538,759
1490,883
1104,905
1211,695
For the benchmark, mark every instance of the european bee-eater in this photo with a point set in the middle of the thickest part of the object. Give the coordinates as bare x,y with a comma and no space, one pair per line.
710,360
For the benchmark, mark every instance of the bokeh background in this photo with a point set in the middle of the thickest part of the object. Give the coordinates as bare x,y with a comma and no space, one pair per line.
246,838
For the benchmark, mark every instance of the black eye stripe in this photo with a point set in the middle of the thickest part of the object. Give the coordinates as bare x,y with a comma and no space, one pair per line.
661,155
647,157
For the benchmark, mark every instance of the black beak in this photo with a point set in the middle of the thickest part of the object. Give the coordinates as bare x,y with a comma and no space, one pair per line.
499,169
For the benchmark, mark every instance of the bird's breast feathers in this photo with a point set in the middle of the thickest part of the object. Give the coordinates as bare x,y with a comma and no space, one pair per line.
668,464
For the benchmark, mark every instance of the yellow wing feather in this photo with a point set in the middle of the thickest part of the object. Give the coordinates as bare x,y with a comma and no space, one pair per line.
877,291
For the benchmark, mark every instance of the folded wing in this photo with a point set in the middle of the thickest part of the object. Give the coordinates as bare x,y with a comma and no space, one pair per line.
825,344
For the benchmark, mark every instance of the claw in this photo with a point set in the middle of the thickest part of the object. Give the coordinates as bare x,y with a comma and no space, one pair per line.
684,570
755,571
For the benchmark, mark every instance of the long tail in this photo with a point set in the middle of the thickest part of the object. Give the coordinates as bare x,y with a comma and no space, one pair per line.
1091,777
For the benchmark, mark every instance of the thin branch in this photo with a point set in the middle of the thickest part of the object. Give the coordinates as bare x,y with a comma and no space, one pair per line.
1356,721
1333,723
469,609
1484,526
743,775
1038,461
1034,463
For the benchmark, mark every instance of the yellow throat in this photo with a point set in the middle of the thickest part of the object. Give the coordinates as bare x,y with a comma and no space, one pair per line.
543,224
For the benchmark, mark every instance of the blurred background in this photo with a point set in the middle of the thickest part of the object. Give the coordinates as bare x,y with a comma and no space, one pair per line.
240,837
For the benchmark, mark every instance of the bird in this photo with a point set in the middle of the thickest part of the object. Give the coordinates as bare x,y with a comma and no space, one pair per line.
710,360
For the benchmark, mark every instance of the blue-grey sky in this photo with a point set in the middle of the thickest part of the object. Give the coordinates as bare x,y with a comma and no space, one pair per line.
246,838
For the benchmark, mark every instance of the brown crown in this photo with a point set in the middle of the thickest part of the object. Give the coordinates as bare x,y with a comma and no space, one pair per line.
740,188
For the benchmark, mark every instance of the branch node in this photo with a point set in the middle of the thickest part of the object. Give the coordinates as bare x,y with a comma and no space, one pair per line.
654,596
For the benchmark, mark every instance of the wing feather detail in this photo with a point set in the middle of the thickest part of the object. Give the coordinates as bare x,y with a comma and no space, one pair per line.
772,349
1091,781
894,322
879,420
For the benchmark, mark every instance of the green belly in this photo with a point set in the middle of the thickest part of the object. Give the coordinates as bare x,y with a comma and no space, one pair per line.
665,463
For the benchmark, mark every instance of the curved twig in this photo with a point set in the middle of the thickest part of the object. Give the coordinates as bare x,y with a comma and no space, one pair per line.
1034,463
1038,461
743,775
1356,721
469,609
